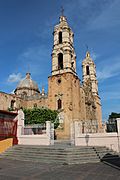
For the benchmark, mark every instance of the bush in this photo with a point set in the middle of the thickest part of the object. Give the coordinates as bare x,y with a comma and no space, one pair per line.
40,116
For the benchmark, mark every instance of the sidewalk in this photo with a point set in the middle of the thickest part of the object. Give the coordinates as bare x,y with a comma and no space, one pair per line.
19,170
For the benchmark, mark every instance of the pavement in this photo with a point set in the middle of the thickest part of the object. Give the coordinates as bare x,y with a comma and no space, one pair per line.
25,170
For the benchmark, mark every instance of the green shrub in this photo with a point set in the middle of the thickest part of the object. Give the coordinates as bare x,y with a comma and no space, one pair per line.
40,116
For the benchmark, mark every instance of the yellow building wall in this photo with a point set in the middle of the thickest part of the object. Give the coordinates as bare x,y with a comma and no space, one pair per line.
5,144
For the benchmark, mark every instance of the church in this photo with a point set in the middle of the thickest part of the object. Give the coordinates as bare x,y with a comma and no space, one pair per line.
73,99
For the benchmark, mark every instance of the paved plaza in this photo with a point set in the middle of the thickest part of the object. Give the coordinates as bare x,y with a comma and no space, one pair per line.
19,170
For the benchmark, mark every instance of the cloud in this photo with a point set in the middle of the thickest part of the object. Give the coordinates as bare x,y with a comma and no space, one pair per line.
108,68
94,55
14,77
12,92
87,10
108,18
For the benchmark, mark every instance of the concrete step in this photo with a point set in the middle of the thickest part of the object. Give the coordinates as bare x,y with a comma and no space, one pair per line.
57,154
74,151
52,150
60,161
92,156
50,157
50,147
52,154
53,160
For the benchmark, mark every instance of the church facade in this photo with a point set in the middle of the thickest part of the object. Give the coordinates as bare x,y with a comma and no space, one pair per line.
75,101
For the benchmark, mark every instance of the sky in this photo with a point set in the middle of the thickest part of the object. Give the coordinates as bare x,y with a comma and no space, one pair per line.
26,41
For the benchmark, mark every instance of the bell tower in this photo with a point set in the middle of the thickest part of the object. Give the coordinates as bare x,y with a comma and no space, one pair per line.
89,73
64,84
63,53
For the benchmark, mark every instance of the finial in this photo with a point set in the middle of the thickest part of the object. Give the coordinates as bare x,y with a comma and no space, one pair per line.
62,17
62,11
28,75
43,91
87,52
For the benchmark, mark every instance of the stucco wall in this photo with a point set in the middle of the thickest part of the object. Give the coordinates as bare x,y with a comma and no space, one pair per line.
110,140
5,144
34,140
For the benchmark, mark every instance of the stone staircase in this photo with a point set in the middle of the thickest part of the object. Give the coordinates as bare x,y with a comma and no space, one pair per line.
61,153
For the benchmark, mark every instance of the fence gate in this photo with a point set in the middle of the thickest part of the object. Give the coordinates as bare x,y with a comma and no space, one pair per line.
8,129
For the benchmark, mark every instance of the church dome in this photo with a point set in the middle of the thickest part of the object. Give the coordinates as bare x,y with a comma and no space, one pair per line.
27,82
27,85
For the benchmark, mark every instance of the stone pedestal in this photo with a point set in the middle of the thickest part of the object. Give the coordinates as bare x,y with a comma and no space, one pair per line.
78,128
118,125
50,131
20,126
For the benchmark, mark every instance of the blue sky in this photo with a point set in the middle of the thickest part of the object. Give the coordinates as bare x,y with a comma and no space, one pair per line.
26,41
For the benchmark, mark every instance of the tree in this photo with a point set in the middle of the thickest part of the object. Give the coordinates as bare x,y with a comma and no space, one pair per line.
114,115
40,116
112,123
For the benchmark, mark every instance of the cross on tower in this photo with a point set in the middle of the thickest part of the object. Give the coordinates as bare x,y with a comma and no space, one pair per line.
87,47
62,11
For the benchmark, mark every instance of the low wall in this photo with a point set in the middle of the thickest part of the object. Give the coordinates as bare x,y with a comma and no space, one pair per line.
5,144
110,140
34,140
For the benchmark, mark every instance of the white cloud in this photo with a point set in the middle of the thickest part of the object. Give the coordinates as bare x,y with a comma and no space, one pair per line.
88,11
12,92
14,77
108,18
94,55
109,68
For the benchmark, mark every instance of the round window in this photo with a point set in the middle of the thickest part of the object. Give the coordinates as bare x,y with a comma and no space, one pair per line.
59,81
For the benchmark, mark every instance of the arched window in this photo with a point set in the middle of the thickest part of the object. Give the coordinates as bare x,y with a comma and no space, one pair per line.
60,37
24,94
87,70
60,61
72,64
12,105
59,103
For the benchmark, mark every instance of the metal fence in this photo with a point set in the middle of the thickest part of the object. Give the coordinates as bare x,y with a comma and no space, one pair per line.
111,126
89,126
34,129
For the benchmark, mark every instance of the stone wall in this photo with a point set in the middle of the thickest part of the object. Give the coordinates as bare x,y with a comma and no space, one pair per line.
42,102
68,90
110,140
5,101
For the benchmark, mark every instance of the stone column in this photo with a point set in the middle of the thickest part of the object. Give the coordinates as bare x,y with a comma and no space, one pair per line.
118,125
50,131
72,132
48,128
118,128
20,126
78,131
52,134
78,128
